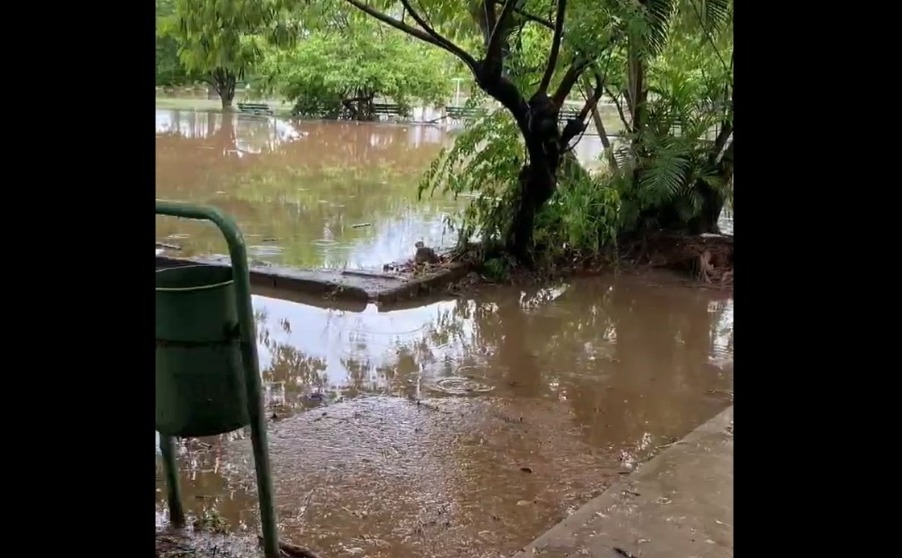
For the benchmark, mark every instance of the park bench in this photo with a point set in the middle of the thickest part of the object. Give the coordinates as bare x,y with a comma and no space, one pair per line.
464,113
255,108
567,113
384,109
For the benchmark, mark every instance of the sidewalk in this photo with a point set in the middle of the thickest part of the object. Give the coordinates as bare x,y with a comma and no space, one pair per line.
678,505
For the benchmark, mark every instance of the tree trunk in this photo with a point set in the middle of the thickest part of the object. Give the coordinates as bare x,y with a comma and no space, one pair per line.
713,199
712,205
227,99
537,181
224,81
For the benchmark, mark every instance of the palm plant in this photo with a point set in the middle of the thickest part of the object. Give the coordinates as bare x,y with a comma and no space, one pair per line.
678,91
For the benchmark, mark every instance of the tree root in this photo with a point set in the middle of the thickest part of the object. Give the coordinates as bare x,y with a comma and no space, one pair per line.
707,258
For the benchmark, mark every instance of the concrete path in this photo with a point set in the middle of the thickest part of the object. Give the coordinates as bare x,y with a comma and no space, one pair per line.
678,505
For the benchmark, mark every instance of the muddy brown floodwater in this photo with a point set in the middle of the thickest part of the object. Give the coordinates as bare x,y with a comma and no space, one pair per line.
308,194
458,428
465,427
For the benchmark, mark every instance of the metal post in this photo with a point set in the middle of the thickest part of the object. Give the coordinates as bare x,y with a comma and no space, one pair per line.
241,275
173,490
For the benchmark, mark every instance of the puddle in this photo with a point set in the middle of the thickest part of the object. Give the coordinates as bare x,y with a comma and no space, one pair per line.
467,424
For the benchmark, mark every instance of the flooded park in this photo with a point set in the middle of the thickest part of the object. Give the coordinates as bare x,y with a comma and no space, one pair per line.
447,426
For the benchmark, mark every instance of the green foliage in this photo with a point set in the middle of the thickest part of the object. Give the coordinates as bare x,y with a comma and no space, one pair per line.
681,48
169,68
690,101
339,70
582,217
223,39
483,164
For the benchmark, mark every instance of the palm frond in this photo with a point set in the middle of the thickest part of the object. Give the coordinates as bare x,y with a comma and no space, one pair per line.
658,16
666,174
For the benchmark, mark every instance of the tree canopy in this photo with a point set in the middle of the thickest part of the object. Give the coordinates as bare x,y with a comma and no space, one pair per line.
220,40
663,63
338,69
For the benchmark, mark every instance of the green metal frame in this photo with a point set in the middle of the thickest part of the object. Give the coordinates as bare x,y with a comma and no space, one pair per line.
241,276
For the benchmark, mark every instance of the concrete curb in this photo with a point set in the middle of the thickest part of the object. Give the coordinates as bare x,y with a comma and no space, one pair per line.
358,287
679,504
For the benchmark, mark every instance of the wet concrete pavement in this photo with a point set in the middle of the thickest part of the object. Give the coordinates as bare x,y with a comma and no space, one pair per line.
678,504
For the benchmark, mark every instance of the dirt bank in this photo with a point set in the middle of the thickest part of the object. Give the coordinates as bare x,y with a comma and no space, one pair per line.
693,261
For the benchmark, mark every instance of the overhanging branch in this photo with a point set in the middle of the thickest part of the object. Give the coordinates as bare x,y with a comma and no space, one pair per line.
569,80
576,126
578,67
425,36
555,46
528,16
623,119
445,43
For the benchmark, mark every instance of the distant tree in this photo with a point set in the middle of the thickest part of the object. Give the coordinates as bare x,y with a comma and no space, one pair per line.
221,40
338,70
169,68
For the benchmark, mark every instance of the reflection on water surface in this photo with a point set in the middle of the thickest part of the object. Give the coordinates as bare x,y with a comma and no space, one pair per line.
587,378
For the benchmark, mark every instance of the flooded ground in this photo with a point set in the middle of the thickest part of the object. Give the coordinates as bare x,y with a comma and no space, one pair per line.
455,428
308,194
529,404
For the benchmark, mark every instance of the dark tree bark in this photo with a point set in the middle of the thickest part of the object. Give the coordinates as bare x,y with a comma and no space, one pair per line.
223,82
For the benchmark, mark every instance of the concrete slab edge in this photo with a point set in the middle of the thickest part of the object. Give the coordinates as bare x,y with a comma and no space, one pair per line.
613,495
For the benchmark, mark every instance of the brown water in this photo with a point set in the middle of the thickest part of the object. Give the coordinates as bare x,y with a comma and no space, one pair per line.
311,194
306,194
529,402
576,383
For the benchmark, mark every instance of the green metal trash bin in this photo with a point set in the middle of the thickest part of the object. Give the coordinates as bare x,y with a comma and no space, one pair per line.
199,371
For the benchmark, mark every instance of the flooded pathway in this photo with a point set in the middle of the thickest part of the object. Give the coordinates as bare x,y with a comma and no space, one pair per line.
466,427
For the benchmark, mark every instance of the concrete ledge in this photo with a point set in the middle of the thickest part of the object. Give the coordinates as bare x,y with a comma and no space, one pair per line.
358,287
677,505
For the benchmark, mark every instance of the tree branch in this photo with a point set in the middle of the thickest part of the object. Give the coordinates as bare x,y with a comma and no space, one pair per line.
623,119
600,128
528,16
569,80
414,32
555,46
576,126
493,50
488,6
446,44
577,68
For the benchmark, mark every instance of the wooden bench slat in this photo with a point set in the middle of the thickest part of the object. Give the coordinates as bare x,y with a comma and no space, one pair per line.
255,108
